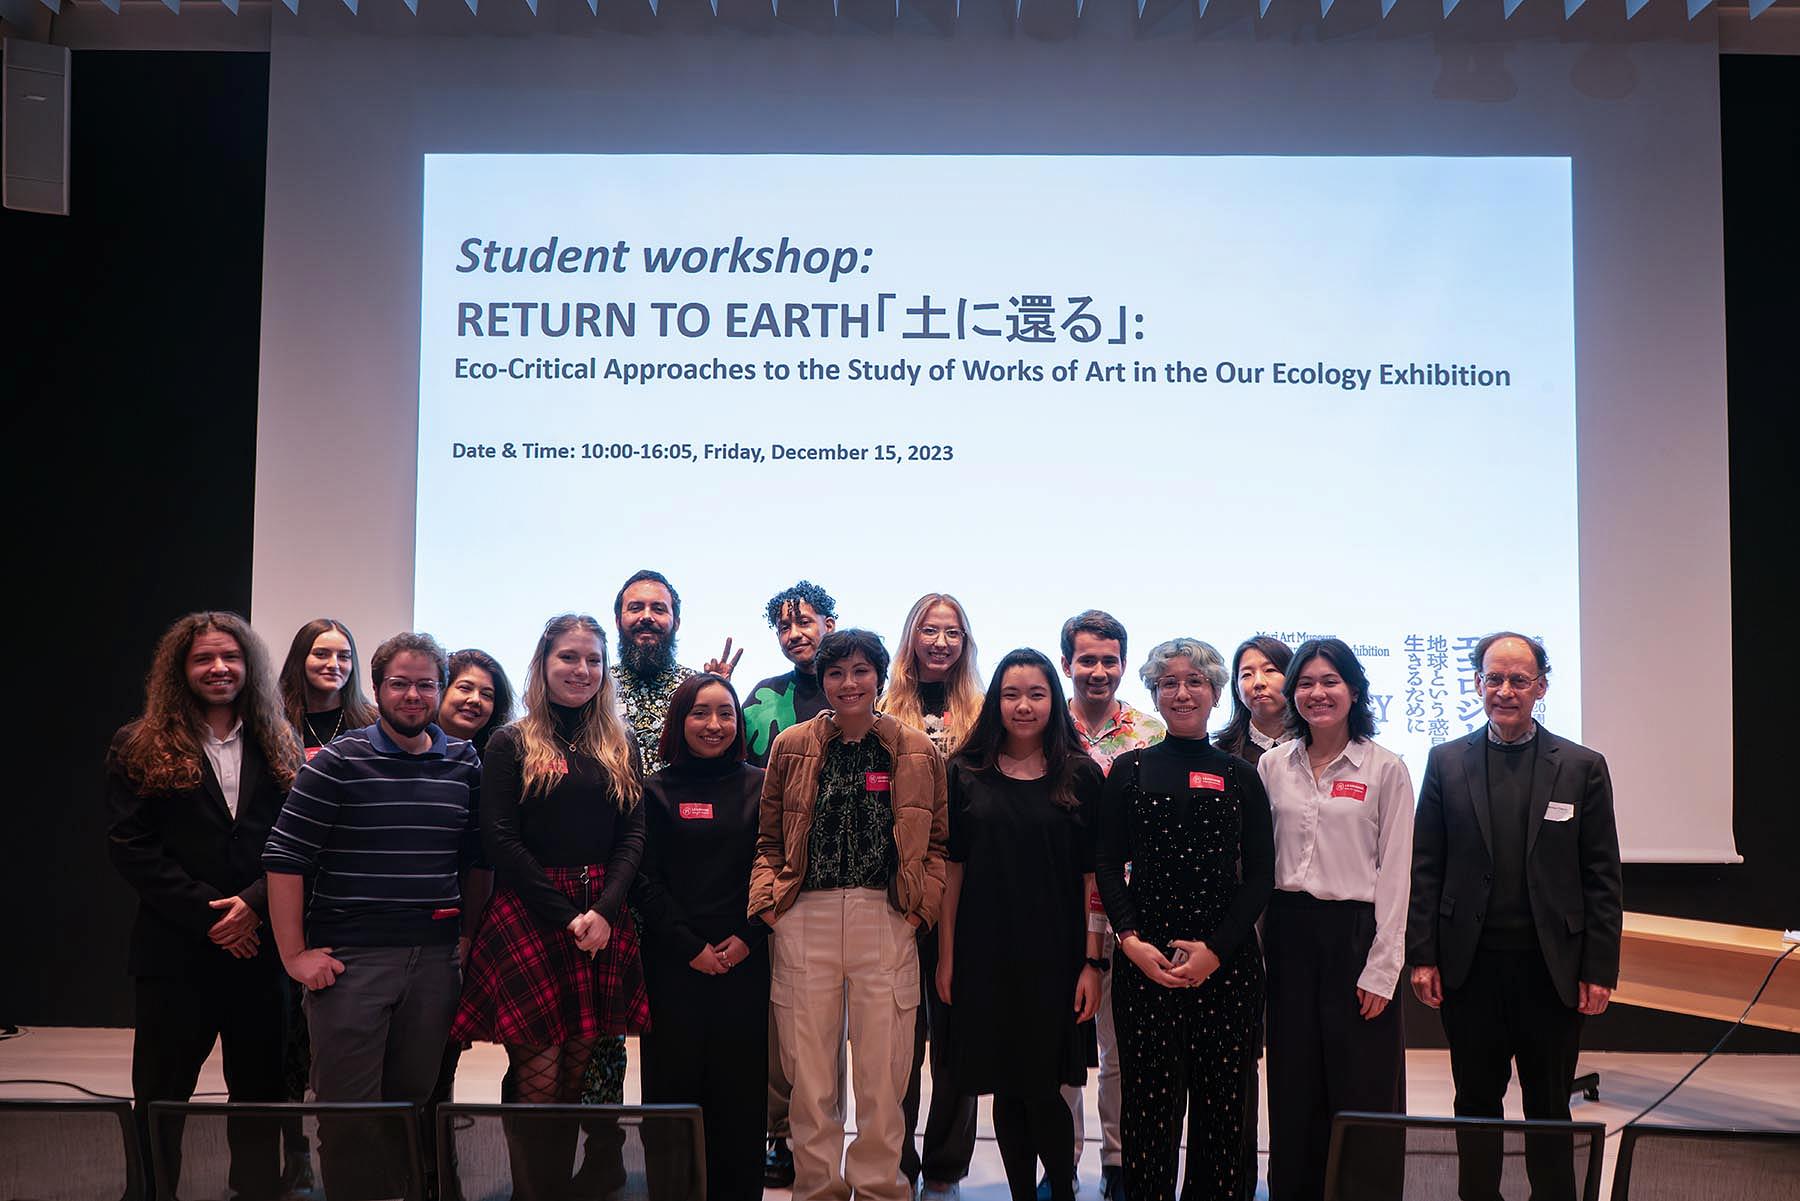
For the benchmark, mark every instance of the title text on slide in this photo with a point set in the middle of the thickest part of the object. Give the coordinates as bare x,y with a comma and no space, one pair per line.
736,258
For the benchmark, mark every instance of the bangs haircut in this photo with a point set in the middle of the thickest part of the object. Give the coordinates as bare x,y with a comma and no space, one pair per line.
1343,660
1063,749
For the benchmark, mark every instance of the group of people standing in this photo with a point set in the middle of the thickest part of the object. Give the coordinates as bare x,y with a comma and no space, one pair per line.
1013,883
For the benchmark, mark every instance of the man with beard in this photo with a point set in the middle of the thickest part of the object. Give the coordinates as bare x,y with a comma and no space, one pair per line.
648,613
385,822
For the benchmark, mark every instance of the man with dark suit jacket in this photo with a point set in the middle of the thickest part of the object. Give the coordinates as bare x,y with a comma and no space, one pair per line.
1516,909
192,788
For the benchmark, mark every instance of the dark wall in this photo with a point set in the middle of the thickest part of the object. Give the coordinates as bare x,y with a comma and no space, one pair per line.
132,362
135,372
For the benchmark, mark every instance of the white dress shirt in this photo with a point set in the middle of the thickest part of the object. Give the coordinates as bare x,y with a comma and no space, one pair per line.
227,758
1263,740
1347,836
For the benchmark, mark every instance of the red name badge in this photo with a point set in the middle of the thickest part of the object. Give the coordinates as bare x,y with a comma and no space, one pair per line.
1351,789
444,915
1095,905
693,811
875,781
1205,779
311,751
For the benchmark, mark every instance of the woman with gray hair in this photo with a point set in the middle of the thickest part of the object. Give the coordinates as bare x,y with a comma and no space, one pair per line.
1188,995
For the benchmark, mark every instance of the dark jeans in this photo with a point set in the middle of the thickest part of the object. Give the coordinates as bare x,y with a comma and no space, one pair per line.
378,1034
950,1124
1508,1011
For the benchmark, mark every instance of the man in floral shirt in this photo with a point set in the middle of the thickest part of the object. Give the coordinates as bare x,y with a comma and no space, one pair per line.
1093,657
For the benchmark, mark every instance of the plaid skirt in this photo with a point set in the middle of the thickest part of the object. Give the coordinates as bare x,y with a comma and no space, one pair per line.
527,983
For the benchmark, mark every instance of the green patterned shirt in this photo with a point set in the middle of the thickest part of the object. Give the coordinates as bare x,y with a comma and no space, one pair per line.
851,844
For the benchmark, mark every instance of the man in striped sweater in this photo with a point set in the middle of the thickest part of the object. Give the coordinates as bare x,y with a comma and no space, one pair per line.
384,823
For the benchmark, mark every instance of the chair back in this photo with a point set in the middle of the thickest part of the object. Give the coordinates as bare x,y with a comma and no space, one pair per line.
217,1152
69,1151
1666,1163
571,1152
1386,1157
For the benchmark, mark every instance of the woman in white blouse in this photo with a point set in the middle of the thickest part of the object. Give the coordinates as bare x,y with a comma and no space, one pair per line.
1335,930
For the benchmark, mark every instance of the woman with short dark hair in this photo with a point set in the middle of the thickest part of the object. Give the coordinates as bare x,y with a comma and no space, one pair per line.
1335,933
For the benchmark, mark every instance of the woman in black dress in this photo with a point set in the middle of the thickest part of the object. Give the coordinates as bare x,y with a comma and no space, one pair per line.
1016,964
706,963
1188,996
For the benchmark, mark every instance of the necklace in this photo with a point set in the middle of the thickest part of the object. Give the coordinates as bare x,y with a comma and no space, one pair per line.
314,730
1028,767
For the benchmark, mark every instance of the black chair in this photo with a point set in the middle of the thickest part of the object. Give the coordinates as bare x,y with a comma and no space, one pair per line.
1679,1163
232,1152
571,1153
69,1151
1390,1157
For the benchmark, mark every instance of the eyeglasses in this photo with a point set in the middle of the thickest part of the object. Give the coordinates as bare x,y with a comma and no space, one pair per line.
950,634
1170,685
401,686
1519,683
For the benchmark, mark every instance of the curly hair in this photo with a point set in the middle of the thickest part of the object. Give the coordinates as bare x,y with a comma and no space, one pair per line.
804,593
162,753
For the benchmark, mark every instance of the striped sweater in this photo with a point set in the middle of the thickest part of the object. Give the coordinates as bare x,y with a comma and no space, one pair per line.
382,834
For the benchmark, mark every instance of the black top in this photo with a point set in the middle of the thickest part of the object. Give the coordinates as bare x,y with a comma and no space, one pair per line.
1021,929
700,819
575,824
317,729
1509,770
851,844
934,699
1183,774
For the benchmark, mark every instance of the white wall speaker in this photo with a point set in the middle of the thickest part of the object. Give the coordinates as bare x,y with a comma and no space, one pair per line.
35,142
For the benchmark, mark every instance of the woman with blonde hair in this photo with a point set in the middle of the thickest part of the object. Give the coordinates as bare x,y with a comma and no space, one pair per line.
936,687
555,964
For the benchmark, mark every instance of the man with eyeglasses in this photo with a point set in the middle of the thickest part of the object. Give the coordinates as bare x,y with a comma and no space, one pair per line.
1516,910
384,821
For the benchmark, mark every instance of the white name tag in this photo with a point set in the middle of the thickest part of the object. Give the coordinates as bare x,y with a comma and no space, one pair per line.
1557,811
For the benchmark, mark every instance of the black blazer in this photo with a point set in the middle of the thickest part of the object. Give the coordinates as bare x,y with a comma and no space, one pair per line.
1571,867
181,850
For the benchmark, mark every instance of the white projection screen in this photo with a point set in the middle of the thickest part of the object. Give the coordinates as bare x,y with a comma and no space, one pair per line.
1400,339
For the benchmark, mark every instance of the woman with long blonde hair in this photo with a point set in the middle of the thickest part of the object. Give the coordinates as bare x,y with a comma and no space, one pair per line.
555,965
936,687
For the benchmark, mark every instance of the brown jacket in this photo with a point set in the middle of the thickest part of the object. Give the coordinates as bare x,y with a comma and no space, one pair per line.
921,818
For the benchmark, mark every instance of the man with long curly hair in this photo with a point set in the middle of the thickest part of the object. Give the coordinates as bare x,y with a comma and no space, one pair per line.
192,789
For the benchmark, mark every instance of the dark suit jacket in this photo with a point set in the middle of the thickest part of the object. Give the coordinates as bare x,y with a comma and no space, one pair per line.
181,850
1571,867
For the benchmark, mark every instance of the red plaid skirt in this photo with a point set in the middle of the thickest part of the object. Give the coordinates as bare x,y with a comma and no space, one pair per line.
527,983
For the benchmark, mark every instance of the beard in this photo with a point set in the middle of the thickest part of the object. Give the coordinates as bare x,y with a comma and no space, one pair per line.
404,728
646,660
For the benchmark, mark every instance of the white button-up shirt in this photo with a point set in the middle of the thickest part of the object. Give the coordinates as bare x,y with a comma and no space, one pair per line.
1347,836
227,758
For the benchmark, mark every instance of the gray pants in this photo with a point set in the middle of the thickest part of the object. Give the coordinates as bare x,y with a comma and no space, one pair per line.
378,1034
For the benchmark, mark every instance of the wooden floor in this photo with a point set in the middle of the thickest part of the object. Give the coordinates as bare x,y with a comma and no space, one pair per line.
1748,1091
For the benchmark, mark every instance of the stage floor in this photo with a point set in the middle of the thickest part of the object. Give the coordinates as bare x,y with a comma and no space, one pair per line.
1749,1091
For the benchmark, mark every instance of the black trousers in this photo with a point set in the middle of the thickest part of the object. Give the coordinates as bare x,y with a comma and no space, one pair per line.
1507,1011
950,1123
240,1003
1323,1057
708,1045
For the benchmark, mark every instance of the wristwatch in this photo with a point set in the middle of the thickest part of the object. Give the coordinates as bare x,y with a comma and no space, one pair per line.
1100,965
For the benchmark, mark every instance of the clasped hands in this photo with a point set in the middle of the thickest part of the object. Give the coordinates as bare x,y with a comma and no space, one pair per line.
721,957
1193,961
235,932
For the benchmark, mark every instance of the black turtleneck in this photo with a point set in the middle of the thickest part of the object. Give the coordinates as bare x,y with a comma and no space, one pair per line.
700,841
1166,769
934,698
317,729
576,823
